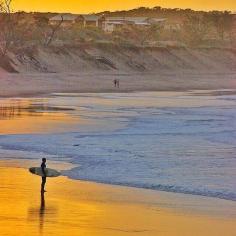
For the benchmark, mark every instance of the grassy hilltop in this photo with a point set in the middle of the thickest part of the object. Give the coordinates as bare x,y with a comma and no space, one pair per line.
202,40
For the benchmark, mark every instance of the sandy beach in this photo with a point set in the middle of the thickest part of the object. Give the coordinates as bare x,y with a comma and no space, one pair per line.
136,109
33,84
73,207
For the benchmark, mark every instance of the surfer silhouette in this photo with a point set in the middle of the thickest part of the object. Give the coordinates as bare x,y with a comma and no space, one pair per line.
44,178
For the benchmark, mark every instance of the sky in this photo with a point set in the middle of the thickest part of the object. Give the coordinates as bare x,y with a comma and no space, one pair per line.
89,6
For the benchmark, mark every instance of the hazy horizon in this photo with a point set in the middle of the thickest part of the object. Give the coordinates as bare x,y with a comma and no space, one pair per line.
115,5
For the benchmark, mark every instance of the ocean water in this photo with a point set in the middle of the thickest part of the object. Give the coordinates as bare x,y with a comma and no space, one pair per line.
177,142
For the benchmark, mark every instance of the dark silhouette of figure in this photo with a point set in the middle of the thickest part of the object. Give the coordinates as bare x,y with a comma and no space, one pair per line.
44,178
118,83
115,82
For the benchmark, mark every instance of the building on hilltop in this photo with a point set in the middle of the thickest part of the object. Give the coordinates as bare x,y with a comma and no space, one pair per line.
83,20
65,19
108,24
91,20
112,23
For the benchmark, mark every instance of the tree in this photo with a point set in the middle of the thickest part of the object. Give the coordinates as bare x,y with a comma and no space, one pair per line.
152,32
53,30
6,25
47,31
222,21
196,27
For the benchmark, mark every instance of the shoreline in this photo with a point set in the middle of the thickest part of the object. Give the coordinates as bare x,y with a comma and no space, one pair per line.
86,208
95,180
9,162
75,207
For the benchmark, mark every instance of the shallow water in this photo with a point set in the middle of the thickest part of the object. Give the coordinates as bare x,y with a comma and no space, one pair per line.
175,141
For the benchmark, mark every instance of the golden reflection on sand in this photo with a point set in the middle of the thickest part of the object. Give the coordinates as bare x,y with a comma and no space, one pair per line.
91,111
42,213
75,208
28,116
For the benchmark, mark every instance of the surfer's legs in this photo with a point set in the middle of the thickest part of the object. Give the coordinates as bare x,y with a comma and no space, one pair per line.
43,183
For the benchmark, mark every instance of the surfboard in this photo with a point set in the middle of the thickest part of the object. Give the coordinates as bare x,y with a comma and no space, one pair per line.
49,172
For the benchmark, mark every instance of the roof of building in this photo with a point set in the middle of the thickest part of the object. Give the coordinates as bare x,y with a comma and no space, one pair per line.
157,19
115,23
66,17
136,20
91,17
118,18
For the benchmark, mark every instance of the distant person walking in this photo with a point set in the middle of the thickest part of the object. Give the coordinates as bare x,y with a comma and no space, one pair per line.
115,82
44,177
118,83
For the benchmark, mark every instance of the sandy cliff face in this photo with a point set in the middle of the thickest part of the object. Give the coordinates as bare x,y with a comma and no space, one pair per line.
116,58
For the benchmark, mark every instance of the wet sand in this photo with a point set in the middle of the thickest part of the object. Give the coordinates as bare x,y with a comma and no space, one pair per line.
13,85
71,207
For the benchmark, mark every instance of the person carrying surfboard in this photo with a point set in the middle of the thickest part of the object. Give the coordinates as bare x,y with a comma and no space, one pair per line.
44,173
44,178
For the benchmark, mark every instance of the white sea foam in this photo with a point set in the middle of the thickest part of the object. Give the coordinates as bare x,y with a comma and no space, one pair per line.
171,148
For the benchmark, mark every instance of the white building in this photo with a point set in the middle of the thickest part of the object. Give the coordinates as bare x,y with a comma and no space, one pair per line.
84,20
112,23
64,19
91,20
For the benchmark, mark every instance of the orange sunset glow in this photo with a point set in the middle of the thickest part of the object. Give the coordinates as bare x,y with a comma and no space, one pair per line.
117,117
88,6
